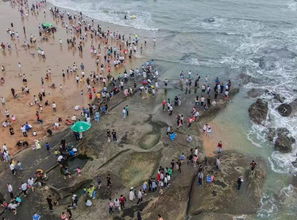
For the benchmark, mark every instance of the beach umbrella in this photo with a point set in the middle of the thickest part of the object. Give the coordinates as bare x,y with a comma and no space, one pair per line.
47,25
80,126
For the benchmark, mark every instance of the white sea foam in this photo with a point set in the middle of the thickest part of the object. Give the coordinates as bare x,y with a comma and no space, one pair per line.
270,58
107,11
292,5
268,206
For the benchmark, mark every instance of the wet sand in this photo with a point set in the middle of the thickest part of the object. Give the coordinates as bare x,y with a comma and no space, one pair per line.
210,141
58,57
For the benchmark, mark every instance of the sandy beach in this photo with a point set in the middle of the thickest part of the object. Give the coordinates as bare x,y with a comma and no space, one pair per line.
152,92
59,56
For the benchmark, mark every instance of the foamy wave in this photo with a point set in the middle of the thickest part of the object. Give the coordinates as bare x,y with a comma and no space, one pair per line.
271,59
268,207
257,135
292,6
111,13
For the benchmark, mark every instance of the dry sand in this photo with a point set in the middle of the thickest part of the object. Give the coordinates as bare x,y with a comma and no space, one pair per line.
34,67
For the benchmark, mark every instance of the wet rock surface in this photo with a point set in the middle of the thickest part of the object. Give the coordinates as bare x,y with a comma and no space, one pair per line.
222,195
287,109
283,141
258,111
253,93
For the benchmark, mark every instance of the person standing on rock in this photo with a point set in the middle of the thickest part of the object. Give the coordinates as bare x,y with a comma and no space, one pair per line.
114,135
139,215
164,103
24,188
218,163
74,199
108,134
131,194
127,110
220,147
124,113
139,196
122,200
253,165
50,202
108,181
10,190
110,206
117,206
172,164
200,177
239,182
12,168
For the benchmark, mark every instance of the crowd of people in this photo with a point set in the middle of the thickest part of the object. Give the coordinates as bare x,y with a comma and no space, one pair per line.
110,51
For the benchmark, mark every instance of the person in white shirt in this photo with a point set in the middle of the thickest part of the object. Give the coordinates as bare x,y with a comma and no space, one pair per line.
24,188
10,190
4,147
139,196
30,182
131,194
54,106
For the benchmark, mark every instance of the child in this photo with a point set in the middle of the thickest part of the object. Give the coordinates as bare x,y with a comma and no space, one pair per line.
78,171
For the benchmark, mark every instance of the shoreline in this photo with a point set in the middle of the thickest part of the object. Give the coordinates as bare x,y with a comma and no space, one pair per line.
55,65
133,148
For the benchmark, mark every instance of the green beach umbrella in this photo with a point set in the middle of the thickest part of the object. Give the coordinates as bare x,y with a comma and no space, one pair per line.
47,25
80,126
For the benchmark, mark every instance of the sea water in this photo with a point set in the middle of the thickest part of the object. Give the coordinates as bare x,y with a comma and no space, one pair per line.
225,38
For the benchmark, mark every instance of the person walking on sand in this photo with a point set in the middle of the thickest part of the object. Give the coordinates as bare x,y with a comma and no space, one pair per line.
54,106
20,66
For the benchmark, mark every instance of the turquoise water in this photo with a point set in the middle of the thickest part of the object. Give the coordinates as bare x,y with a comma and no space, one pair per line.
224,38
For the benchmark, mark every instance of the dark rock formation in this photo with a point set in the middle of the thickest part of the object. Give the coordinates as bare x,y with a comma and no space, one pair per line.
283,142
287,109
258,111
222,196
253,93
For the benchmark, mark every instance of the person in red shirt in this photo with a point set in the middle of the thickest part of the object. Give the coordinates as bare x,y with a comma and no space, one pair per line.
122,200
164,103
90,96
220,147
